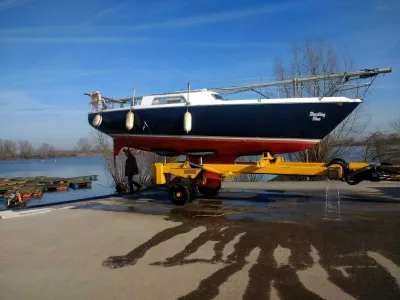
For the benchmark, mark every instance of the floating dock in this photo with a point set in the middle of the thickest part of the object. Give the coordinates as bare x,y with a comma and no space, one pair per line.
34,187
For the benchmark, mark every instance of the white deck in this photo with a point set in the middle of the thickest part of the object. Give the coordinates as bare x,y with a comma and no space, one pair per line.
209,98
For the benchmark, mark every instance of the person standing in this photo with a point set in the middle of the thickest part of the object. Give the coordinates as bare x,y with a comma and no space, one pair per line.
131,169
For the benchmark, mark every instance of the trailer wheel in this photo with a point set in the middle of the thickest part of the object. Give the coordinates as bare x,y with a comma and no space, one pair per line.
179,194
352,181
209,191
343,164
339,161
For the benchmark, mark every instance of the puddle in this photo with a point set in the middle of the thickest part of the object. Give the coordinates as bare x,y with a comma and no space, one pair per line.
274,193
262,204
153,210
264,217
194,210
237,205
241,205
117,208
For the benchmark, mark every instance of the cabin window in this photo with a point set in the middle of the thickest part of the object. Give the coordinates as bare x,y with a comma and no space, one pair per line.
218,97
168,100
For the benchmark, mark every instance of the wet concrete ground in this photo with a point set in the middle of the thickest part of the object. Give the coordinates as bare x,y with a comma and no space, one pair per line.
243,244
281,202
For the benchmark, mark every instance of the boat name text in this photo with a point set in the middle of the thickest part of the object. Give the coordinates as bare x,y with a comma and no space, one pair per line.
316,116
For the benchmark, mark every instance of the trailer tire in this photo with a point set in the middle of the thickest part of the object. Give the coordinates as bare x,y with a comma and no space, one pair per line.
338,161
349,177
353,181
179,194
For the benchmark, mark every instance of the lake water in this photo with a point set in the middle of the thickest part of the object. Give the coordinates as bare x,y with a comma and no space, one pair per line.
61,167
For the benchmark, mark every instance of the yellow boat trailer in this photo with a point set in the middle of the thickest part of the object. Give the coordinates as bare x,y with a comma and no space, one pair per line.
183,179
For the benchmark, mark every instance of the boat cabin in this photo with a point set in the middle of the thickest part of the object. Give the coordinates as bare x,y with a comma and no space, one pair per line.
100,103
202,96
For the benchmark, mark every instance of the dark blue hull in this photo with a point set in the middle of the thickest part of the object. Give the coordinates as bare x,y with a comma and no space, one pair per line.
292,121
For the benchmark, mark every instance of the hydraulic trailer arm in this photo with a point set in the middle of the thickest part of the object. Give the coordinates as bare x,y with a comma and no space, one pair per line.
337,169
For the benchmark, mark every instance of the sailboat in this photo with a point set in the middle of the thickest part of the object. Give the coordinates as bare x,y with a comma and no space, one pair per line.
201,123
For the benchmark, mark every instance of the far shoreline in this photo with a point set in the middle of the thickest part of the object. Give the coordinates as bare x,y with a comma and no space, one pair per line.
66,155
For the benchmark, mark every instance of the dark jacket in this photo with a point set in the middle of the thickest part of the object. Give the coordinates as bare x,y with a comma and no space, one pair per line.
131,167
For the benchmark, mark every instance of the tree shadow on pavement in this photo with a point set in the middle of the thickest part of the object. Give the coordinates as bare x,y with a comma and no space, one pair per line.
338,253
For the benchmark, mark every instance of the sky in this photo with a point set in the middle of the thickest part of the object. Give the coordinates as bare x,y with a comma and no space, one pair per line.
51,52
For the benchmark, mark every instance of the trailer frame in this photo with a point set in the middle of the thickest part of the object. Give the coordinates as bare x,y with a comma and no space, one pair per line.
183,179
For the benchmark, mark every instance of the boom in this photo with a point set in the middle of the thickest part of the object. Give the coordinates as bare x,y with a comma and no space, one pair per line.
362,74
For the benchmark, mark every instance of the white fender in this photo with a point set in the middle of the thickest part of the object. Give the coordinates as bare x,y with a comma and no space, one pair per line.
187,122
130,117
97,120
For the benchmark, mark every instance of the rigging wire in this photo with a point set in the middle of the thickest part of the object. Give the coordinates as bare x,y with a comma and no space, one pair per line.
258,92
366,90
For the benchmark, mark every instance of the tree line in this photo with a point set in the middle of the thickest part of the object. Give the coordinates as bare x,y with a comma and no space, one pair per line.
379,146
383,147
23,149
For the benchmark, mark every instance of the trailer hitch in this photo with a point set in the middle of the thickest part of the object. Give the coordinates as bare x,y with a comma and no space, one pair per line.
370,172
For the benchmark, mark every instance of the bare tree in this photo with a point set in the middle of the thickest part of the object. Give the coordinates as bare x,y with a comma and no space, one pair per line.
11,148
382,148
2,150
25,149
396,125
318,59
84,145
104,144
96,148
145,161
46,150
8,149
